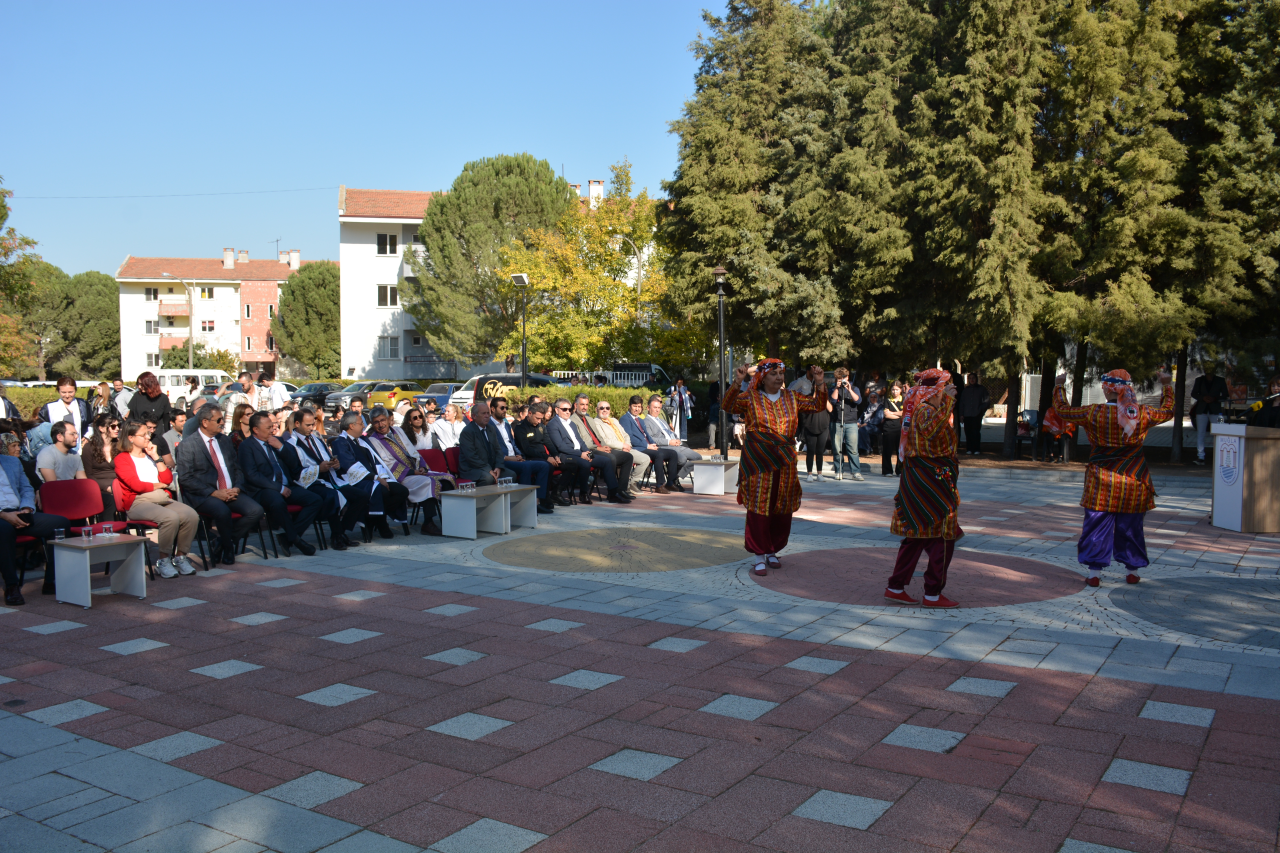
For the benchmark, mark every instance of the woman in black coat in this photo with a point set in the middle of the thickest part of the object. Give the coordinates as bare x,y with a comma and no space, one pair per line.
150,403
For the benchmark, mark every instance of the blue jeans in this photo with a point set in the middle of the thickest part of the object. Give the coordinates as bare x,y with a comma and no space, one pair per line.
531,472
844,442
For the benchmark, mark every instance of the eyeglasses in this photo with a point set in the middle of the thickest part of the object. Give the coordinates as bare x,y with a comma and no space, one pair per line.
603,409
414,418
562,408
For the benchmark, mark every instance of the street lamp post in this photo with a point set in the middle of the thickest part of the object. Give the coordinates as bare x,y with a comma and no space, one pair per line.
521,281
720,274
191,322
639,268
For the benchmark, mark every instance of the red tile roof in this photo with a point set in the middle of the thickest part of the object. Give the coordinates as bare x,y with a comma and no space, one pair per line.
204,269
386,204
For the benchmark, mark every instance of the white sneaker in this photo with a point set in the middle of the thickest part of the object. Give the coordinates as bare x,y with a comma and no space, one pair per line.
839,475
164,567
858,477
183,565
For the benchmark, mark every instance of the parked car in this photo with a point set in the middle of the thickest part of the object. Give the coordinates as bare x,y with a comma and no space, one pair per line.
389,393
438,391
492,385
346,395
313,394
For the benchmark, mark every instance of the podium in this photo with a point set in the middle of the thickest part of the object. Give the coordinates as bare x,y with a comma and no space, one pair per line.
1246,469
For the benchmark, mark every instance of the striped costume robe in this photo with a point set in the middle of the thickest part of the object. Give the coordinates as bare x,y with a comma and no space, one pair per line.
768,485
1117,485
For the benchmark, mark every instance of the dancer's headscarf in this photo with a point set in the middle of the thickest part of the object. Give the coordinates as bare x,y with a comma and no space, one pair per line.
764,367
928,383
1126,401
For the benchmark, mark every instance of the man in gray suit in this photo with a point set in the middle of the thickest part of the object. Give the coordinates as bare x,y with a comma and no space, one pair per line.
479,459
663,436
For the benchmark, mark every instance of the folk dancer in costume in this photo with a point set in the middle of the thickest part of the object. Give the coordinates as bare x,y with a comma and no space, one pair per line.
1117,484
924,510
769,487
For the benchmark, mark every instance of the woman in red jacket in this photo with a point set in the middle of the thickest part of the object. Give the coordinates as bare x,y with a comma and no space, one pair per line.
139,488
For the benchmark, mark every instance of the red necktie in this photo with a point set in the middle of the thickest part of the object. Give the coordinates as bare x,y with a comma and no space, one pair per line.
590,432
217,466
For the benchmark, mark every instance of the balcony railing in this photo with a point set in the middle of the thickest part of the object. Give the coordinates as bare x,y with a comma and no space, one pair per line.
173,309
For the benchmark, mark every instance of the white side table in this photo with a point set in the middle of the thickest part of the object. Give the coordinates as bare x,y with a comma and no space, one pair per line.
715,478
523,505
74,559
464,515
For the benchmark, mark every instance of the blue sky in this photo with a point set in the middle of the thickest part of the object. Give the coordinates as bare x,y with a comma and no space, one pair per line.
112,99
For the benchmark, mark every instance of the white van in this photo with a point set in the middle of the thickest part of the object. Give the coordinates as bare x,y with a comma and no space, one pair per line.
174,383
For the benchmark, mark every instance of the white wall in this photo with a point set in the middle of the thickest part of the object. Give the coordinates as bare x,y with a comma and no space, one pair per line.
363,322
135,310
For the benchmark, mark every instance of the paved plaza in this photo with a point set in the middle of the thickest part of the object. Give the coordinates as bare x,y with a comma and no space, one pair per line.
617,680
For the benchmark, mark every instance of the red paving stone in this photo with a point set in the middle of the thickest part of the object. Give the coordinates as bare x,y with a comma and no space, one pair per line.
1026,776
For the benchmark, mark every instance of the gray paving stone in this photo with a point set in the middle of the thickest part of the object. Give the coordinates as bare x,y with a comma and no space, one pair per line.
738,707
28,794
54,627
1152,675
456,657
131,775
489,836
22,736
351,635
151,816
676,644
21,835
17,770
1131,652
1072,845
1013,659
84,797
636,764
972,642
1085,660
336,694
175,746
258,618
1029,647
185,837
982,686
450,610
914,642
178,603
360,595
842,809
279,826
133,647
825,666
469,726
556,626
88,811
1153,777
313,789
226,669
1170,713
369,842
280,583
919,737
1254,681
56,715
586,679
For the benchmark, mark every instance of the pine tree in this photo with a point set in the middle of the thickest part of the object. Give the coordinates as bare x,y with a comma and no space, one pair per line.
308,325
463,306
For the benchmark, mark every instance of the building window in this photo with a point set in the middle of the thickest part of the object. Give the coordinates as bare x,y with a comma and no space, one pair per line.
388,296
153,293
248,344
153,327
271,343
417,239
153,359
248,312
206,325
170,319
206,293
386,244
417,340
171,290
271,312
389,347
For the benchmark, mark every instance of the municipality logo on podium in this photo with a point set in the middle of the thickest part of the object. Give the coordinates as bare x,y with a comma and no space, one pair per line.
1228,459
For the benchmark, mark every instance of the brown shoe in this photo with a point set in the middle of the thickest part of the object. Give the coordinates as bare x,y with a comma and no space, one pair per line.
662,490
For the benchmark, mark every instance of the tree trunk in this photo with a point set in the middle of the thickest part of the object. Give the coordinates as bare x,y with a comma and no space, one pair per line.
1179,400
1013,405
1077,390
1048,378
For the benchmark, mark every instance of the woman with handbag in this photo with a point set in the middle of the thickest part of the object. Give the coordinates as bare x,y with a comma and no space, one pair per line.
141,493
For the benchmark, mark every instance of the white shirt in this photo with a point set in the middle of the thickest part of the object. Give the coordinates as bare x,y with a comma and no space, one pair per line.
504,430
773,398
211,444
146,469
59,410
573,433
448,432
277,396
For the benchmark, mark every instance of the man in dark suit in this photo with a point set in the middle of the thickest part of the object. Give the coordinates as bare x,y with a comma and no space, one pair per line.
529,472
479,459
212,482
535,445
312,450
270,467
387,498
570,447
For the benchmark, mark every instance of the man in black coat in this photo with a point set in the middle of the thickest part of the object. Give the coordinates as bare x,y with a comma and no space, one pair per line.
479,459
213,484
535,445
312,450
271,468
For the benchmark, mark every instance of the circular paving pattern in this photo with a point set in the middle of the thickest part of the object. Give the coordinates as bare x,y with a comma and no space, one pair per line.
858,575
1234,610
620,549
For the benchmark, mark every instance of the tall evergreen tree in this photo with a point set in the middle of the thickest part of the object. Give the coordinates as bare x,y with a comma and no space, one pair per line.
308,325
462,305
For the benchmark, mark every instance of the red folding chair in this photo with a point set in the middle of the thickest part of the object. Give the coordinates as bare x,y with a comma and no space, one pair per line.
82,500
139,527
435,460
453,463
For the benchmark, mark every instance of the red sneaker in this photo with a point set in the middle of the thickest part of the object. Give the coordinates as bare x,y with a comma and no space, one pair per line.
1092,582
1131,578
773,562
899,597
942,601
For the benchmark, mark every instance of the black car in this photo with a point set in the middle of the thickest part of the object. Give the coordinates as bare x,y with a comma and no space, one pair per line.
313,394
346,395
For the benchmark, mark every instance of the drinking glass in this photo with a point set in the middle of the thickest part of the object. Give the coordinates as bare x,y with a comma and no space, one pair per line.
86,533
59,535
